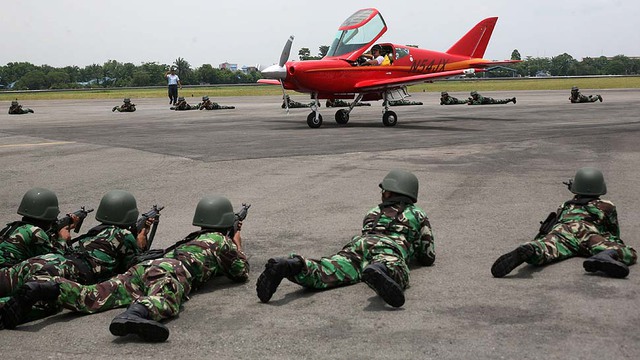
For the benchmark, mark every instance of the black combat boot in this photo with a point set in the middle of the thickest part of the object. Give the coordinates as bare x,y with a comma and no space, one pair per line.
377,277
606,261
274,271
136,320
511,260
16,310
513,100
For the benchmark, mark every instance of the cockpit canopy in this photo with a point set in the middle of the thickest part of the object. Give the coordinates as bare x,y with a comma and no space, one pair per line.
356,34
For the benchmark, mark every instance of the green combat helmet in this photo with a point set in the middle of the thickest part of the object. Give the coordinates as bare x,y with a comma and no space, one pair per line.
127,100
588,181
181,98
574,89
117,207
444,93
214,212
401,182
39,203
474,93
205,98
14,103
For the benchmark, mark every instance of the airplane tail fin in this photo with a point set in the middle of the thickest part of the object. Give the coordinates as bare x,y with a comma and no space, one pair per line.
474,43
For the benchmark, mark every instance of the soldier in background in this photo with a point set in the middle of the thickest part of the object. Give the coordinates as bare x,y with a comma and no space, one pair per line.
445,99
294,104
207,104
183,105
17,109
153,290
336,103
576,97
584,226
127,106
477,99
393,233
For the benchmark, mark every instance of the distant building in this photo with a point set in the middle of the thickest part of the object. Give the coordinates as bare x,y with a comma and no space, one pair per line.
228,66
247,69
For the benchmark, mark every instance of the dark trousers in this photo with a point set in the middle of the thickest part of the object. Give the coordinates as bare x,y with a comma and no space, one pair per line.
173,93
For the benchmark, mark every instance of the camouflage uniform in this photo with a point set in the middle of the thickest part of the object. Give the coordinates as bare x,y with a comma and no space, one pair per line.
16,109
582,230
294,104
403,102
127,106
182,105
477,99
340,103
445,99
161,285
23,241
392,234
104,251
577,97
207,104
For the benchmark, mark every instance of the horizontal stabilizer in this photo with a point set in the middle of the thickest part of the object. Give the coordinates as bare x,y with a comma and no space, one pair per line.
474,43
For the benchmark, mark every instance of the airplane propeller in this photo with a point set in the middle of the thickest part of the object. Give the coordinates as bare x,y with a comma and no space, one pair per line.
279,72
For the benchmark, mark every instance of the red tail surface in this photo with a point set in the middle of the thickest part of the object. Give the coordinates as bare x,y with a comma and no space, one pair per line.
474,43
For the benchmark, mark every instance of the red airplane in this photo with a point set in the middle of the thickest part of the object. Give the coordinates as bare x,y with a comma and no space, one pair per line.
344,73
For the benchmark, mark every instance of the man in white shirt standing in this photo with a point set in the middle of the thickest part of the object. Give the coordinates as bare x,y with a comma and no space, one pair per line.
173,81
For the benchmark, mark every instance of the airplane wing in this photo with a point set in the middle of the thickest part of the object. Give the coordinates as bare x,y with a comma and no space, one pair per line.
269,81
373,85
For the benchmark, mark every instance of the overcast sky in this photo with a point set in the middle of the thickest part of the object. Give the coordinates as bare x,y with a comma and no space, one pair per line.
249,32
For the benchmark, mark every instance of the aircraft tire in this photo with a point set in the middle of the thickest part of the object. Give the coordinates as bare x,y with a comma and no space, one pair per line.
342,117
312,122
389,118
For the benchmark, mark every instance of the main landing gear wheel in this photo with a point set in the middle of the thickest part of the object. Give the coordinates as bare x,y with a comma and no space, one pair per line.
342,116
313,122
389,118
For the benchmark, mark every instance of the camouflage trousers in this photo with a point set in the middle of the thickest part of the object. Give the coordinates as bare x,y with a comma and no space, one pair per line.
216,106
452,101
160,285
37,268
123,109
574,239
345,268
489,101
403,102
583,98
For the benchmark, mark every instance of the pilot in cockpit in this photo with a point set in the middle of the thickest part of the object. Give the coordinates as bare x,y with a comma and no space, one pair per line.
376,51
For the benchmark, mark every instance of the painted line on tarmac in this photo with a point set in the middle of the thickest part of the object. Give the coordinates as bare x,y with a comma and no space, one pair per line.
38,144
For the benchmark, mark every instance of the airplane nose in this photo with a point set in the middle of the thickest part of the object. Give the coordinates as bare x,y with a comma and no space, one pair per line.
275,72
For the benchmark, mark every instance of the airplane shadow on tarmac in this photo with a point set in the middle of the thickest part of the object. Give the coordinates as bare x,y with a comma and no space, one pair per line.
400,126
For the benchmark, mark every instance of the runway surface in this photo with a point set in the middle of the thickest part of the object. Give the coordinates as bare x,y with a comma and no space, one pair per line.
488,175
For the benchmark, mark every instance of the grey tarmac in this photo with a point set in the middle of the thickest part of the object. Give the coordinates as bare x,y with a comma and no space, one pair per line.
488,175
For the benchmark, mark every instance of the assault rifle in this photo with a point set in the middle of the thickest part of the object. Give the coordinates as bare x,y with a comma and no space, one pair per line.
68,220
239,216
568,183
154,213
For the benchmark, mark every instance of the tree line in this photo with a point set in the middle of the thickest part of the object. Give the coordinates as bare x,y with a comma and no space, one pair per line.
27,76
565,65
